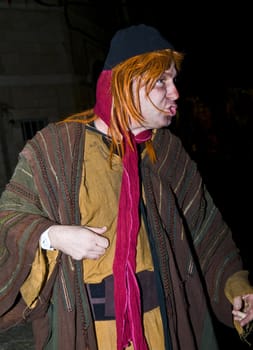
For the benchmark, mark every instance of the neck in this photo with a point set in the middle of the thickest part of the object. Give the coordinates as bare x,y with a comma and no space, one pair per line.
138,129
101,126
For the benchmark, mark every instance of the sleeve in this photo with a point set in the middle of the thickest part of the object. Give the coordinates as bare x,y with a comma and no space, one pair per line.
45,241
236,285
22,221
216,251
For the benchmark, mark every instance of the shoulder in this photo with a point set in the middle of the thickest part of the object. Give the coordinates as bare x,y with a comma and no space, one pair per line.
56,138
172,158
61,129
58,134
166,142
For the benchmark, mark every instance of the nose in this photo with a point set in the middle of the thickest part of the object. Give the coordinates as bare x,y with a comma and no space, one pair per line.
172,92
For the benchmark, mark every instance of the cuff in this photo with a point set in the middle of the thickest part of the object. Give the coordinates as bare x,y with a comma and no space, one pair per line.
45,241
237,285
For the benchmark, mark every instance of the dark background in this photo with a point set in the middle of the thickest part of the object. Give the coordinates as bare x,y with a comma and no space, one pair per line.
216,38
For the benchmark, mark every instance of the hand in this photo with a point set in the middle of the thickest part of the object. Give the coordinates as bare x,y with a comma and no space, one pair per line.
79,242
243,309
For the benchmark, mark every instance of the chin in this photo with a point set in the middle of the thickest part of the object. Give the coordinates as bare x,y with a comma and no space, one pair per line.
168,121
165,122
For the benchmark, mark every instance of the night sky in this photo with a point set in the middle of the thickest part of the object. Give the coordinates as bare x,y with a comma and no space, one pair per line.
217,39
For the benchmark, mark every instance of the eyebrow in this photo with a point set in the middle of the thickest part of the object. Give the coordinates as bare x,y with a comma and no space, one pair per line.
170,73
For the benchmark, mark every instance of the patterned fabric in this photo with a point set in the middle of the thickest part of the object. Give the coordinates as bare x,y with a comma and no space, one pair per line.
196,253
184,225
44,190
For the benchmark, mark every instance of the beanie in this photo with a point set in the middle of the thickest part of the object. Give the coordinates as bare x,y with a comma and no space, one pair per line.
132,41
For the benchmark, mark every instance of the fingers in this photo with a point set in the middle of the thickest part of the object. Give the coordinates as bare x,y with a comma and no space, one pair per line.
248,300
99,230
239,315
100,241
243,309
238,303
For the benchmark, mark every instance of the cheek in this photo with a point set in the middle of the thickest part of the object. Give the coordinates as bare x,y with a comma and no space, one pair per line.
147,106
149,103
144,100
157,96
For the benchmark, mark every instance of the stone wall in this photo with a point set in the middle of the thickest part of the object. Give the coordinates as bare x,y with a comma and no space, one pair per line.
46,72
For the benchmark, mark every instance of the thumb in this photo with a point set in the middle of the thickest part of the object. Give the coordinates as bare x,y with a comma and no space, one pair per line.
99,230
237,303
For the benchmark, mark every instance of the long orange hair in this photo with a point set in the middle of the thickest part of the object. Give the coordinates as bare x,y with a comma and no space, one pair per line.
145,69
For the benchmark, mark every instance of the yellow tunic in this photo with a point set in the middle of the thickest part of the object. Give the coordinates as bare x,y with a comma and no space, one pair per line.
99,196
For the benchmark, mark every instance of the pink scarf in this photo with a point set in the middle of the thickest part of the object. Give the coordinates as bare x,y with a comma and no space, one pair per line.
126,290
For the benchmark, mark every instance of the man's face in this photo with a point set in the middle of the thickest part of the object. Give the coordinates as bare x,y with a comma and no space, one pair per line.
159,107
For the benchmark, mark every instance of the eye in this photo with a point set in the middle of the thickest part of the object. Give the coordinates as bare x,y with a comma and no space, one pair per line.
160,82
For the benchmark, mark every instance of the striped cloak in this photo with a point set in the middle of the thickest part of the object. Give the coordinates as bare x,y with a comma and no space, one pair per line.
192,246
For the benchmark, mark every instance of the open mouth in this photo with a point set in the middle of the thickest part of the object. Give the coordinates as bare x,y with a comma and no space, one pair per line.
173,110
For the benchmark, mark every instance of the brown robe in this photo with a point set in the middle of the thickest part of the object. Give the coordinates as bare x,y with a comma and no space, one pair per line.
192,247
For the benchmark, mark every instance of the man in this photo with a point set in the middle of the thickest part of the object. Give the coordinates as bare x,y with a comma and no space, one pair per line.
109,238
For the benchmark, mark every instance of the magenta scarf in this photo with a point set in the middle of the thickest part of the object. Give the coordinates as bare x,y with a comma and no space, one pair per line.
126,290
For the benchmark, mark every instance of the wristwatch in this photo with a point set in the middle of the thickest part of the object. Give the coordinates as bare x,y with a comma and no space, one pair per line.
45,241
